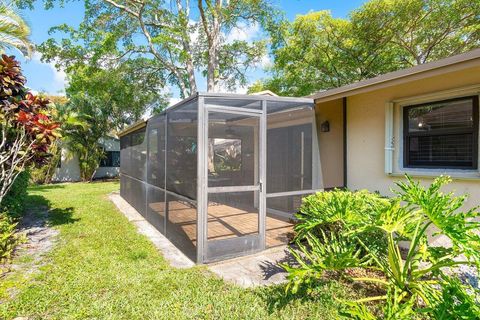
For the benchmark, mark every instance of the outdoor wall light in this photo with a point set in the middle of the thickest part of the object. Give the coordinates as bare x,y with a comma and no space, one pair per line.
325,126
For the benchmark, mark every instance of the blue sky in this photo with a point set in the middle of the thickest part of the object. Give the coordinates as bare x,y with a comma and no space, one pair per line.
44,77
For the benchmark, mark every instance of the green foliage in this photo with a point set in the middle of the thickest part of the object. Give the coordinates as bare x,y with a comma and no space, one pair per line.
44,173
331,252
27,126
83,130
14,31
171,42
416,281
14,201
12,207
8,237
122,92
455,302
318,52
341,212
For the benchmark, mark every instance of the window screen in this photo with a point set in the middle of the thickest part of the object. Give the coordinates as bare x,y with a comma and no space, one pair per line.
442,134
111,159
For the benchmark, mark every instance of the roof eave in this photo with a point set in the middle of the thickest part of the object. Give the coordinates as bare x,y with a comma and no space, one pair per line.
392,78
137,125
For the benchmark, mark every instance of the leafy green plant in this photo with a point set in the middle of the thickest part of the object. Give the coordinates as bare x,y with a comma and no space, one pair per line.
14,201
415,277
340,212
331,252
9,238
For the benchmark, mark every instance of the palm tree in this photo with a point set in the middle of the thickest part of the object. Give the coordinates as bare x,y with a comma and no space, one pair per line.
14,31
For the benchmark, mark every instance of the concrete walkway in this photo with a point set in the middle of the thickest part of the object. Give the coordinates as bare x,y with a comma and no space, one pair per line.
254,270
261,269
174,256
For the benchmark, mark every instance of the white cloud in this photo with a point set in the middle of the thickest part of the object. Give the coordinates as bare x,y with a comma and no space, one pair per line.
194,32
265,62
243,32
59,76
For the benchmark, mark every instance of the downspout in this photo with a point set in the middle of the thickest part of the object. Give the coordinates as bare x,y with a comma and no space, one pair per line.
345,142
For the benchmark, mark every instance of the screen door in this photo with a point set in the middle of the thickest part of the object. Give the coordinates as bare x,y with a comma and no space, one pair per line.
235,208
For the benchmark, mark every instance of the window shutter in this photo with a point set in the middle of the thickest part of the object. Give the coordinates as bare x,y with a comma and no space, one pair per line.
389,138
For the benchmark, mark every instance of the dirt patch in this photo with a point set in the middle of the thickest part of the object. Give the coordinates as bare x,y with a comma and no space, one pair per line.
39,239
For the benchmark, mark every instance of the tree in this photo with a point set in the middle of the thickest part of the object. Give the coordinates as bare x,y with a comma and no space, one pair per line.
318,52
419,31
122,91
182,39
14,31
26,127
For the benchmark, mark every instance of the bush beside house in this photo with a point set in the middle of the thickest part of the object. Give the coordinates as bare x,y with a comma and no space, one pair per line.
362,237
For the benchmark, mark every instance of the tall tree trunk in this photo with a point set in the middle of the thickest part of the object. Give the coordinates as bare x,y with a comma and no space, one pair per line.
184,15
211,26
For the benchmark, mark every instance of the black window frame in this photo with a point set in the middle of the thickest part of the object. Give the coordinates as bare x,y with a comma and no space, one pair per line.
107,161
442,165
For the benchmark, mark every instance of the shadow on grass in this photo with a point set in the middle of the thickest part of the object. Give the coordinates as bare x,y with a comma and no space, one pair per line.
44,188
321,291
277,297
38,206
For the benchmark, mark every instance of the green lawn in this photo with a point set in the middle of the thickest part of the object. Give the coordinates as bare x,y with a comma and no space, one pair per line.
102,268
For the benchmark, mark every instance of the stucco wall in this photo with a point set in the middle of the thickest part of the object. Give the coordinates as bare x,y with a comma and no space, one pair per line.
69,170
331,143
366,134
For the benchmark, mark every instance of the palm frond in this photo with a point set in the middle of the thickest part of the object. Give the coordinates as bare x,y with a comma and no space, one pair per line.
14,31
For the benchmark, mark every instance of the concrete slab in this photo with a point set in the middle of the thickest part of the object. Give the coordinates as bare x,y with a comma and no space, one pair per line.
260,269
175,257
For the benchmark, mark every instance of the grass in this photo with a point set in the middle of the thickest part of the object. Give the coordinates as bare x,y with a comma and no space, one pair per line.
101,268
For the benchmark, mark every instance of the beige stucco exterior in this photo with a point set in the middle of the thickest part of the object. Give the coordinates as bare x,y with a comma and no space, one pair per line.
366,122
331,142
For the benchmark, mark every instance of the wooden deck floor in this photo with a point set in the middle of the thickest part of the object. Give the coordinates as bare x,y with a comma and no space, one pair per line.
228,222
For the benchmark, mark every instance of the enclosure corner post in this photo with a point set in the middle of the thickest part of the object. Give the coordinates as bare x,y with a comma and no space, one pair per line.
201,181
263,175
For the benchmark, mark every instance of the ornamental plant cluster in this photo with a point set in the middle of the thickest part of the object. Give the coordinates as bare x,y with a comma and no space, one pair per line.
371,240
27,130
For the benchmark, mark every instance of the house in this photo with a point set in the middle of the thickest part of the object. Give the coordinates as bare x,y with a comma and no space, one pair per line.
221,175
68,169
423,121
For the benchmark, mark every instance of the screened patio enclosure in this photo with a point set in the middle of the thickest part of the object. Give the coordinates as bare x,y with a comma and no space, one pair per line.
220,175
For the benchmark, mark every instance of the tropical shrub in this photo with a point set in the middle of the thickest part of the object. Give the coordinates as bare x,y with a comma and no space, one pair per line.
14,201
26,133
26,126
8,237
416,281
325,233
12,207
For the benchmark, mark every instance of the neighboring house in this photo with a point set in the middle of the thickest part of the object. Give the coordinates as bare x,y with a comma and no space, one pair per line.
69,169
422,121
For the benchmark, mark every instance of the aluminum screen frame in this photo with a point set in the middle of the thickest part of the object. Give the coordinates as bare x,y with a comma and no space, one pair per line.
164,173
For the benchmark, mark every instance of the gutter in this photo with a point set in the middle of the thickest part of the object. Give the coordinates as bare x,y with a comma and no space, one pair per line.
137,125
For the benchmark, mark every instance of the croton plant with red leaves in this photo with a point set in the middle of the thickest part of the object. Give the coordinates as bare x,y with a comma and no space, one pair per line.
26,124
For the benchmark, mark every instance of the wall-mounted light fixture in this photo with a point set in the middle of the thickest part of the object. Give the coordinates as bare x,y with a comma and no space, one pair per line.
325,126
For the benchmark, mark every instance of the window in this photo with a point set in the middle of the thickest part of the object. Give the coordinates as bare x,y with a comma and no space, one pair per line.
111,159
442,134
225,155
